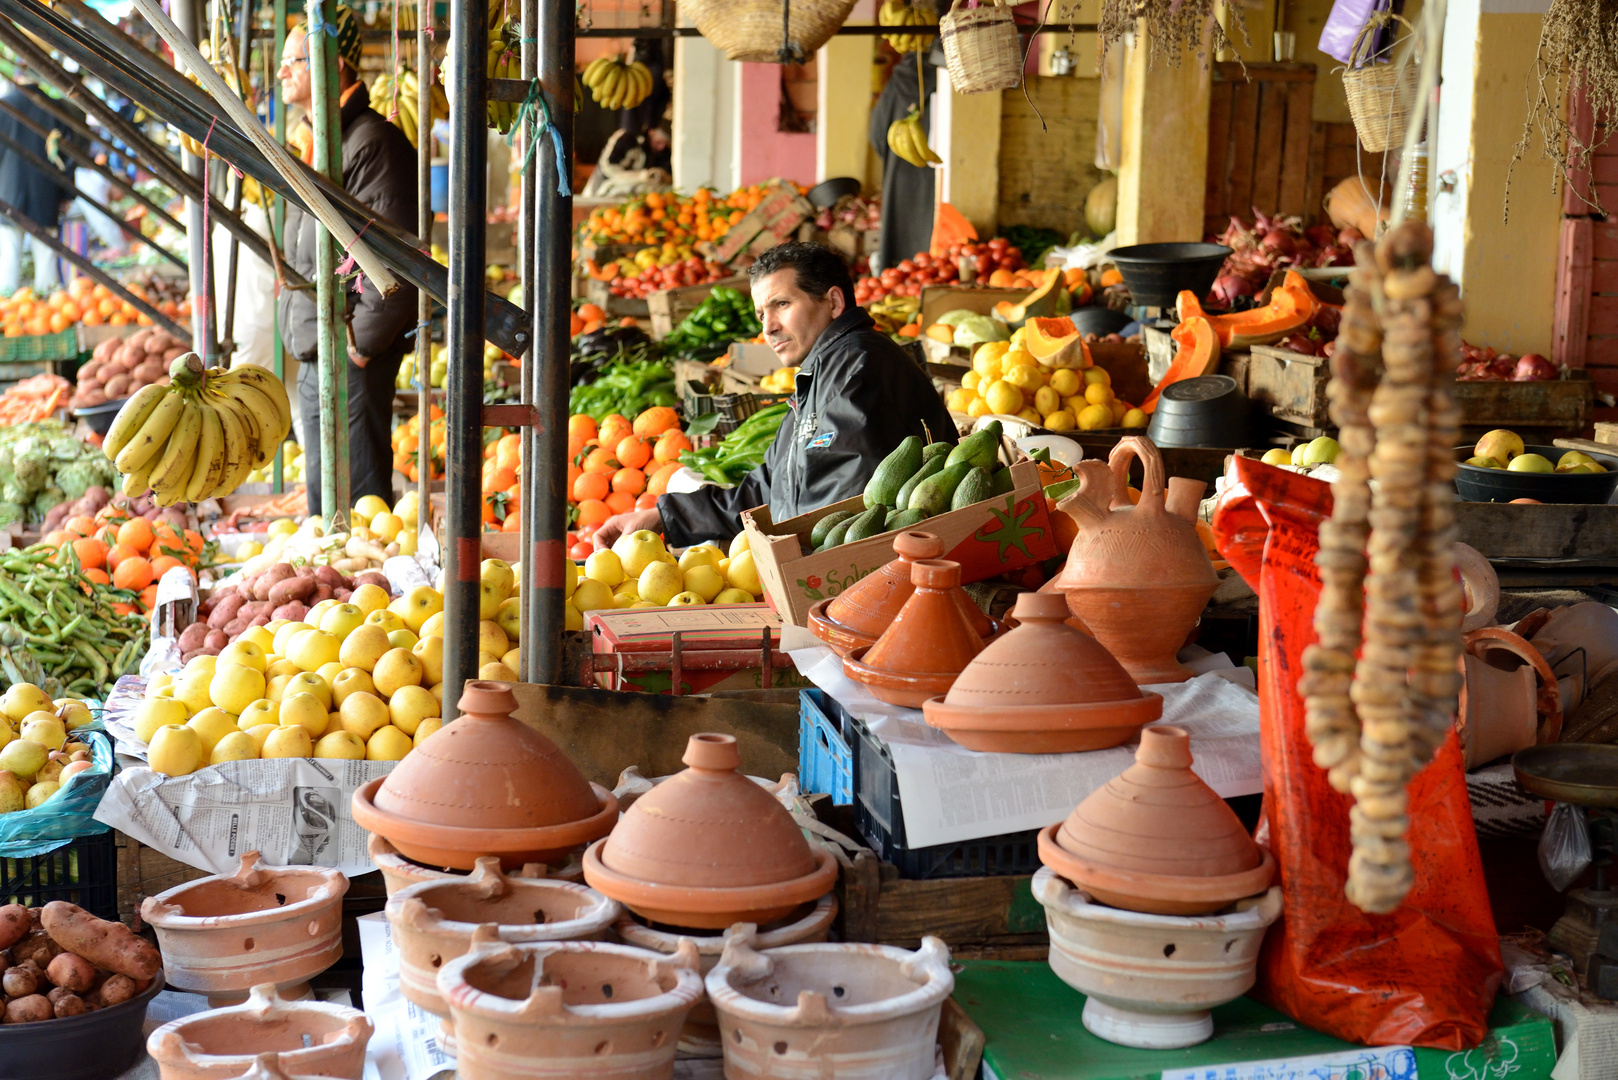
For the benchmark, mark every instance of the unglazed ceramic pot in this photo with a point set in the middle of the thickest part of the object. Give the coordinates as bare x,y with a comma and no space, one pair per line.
832,1011
268,1067
1480,586
1138,576
927,645
312,1038
858,616
708,847
436,921
399,872
568,1010
1155,838
491,785
700,1036
1043,688
224,935
1510,699
1151,979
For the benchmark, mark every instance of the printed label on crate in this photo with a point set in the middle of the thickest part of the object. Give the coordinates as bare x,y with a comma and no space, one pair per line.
1351,1063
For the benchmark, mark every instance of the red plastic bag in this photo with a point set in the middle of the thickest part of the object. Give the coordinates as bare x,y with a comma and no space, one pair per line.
1425,974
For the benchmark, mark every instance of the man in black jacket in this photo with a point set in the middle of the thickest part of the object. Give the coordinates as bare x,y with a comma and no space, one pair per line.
857,397
379,169
37,194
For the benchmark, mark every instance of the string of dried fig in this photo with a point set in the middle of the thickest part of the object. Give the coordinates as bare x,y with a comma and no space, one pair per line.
1386,555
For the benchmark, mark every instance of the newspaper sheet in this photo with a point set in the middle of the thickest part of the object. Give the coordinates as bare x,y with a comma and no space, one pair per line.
405,1044
952,794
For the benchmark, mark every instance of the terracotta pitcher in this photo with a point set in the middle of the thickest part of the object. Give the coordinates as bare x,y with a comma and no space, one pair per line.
1138,576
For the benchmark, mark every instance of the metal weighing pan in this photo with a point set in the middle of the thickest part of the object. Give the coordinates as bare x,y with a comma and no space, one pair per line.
1585,774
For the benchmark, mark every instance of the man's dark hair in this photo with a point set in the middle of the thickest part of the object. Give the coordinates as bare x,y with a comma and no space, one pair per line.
819,269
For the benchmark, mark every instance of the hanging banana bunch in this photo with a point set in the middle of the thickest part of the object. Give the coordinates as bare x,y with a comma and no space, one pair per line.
899,13
504,62
906,139
616,85
409,101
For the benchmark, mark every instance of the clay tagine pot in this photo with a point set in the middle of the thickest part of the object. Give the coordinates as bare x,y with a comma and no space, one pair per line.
312,1038
852,1011
399,872
491,785
268,1067
572,1010
1151,979
1155,838
856,617
708,847
700,1036
1138,576
437,921
926,647
1043,688
224,935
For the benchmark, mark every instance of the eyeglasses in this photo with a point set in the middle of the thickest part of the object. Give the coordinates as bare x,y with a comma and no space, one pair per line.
295,60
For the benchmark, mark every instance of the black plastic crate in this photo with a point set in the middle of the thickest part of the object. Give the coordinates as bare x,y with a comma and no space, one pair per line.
879,816
84,872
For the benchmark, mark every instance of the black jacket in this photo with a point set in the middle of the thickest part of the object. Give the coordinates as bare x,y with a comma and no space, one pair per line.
379,169
858,396
37,194
907,192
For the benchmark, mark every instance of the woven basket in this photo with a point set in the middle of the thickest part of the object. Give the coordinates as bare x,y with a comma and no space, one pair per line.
753,30
981,47
1380,96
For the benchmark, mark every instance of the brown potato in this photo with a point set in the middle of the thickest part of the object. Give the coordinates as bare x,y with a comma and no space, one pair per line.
18,982
115,991
69,1005
15,923
29,1010
73,972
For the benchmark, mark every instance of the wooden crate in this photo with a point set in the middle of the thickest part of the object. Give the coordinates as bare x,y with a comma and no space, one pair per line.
670,307
1569,534
145,871
1563,405
602,297
1260,134
1291,385
1607,434
990,918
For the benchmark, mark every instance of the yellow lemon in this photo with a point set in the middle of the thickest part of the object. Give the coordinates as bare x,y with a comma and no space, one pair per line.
1093,417
155,713
398,667
283,527
176,750
1024,378
363,647
363,713
348,681
430,651
970,380
340,744
235,746
288,741
1017,356
1030,414
387,621
986,361
1066,381
1098,394
262,711
1134,418
960,400
1047,401
426,728
305,711
212,725
1120,409
409,706
1004,398
309,682
245,653
1094,375
1060,420
233,687
259,734
370,598
388,744
978,408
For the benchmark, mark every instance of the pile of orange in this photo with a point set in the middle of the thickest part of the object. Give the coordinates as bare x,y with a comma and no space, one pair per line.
407,445
589,318
502,486
621,465
128,553
83,301
660,216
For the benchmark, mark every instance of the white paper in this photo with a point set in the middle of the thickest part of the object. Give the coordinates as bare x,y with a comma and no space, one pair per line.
1351,1061
952,794
404,1045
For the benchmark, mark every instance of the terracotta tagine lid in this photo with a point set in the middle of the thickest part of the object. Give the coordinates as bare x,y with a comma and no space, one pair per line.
855,618
1043,688
926,647
708,847
487,784
1155,838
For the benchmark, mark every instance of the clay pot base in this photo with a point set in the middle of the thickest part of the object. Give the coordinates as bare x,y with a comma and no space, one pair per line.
710,908
909,689
845,639
1155,894
1146,1030
399,872
1043,729
297,992
313,1038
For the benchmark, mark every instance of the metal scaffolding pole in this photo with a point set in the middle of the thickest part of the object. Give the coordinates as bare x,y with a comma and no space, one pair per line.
546,375
529,663
277,220
329,301
463,396
188,19
424,229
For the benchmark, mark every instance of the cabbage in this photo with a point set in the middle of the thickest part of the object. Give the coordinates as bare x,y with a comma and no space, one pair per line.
954,318
976,329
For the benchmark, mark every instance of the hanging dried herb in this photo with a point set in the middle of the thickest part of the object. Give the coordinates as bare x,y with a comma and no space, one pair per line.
1173,27
1577,59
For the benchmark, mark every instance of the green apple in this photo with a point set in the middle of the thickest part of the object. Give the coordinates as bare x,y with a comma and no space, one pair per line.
1533,463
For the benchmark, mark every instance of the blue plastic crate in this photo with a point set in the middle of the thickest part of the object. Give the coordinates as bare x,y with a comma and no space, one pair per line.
825,762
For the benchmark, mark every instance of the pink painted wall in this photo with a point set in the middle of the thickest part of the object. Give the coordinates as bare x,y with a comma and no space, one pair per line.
765,151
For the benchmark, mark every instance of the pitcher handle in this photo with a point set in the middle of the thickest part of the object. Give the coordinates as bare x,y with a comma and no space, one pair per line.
1152,486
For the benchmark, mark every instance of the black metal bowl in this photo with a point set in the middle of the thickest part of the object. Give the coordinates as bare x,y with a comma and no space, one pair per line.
1099,320
95,1046
1210,410
100,417
1478,484
827,192
1155,273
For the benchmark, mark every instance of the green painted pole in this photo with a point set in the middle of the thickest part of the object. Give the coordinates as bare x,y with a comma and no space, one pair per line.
279,218
329,300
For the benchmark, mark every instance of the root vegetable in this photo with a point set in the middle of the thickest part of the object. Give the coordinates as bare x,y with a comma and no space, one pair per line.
69,1005
18,982
29,1010
270,578
372,577
225,611
15,923
293,612
75,973
328,576
193,637
110,945
37,948
290,589
115,991
216,640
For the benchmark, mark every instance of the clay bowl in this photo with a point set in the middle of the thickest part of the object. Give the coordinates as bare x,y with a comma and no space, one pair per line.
844,639
909,689
268,1067
850,1011
437,921
700,1036
223,935
399,872
312,1037
1151,979
568,1010
1043,729
94,1046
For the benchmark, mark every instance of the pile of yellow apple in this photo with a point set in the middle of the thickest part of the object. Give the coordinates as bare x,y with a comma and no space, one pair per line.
1006,380
37,756
1502,449
640,572
361,680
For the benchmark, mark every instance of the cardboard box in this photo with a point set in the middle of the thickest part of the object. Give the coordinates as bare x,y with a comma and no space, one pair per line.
938,300
779,213
986,538
736,627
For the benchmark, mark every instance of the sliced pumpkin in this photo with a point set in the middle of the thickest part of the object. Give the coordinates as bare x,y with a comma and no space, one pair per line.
1038,304
942,332
1196,354
1056,343
1291,306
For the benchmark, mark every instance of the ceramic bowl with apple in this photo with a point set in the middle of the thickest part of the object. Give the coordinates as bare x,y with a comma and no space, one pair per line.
1500,467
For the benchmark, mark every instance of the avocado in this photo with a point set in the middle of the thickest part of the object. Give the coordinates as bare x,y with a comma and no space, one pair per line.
903,519
890,475
977,486
928,468
825,525
838,531
933,494
980,449
867,524
934,449
1003,483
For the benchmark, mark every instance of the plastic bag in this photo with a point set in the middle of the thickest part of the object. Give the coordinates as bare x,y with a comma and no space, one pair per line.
1564,846
1426,973
1347,19
70,814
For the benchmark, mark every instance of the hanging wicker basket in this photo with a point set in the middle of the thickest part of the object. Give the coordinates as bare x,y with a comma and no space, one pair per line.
768,31
981,47
1381,95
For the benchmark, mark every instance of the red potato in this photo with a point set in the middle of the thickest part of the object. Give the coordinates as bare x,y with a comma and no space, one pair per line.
15,923
93,395
216,640
69,1005
323,592
236,627
293,612
372,577
270,578
193,637
147,372
37,948
19,982
329,577
116,990
105,943
225,611
290,589
72,972
29,1010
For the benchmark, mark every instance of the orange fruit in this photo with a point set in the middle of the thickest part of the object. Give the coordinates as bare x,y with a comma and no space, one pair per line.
601,460
162,565
98,576
620,502
117,553
629,481
581,427
658,482
633,451
593,511
656,420
590,486
136,533
148,598
92,553
670,445
135,573
83,524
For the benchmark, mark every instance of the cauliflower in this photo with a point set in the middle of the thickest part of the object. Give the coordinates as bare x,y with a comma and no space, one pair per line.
77,477
10,514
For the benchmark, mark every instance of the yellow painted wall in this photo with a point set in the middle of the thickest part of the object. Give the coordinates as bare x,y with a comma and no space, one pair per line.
844,112
1165,148
970,181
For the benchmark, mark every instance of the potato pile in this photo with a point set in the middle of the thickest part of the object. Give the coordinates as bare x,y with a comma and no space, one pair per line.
120,366
282,591
62,961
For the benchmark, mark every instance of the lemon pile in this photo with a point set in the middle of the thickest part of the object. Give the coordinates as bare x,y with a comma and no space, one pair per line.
361,680
639,572
1006,380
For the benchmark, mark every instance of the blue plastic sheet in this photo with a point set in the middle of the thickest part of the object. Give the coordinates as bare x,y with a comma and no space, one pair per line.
71,813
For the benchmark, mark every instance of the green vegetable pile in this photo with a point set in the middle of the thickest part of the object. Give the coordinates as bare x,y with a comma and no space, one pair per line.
60,630
725,316
740,452
627,387
41,465
1032,242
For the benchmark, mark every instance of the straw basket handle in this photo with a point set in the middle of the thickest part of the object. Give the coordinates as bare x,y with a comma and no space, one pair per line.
1358,57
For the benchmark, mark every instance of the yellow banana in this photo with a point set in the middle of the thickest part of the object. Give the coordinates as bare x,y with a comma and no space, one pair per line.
210,459
139,482
173,472
153,434
265,417
593,73
135,412
235,461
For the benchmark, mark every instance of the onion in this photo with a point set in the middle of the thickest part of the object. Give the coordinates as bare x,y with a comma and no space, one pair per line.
1227,287
1281,241
1534,368
1350,236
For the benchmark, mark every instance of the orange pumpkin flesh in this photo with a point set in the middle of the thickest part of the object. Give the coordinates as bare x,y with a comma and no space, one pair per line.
1291,306
1055,343
1197,355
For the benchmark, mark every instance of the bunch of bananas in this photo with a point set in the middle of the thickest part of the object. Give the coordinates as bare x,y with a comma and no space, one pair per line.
200,436
900,13
409,100
892,312
616,85
504,63
906,139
